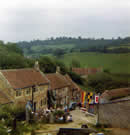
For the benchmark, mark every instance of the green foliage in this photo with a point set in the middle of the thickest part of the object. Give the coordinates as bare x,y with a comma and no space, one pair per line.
75,63
115,63
104,81
58,113
63,68
76,78
59,52
9,113
3,130
11,47
47,64
12,57
69,44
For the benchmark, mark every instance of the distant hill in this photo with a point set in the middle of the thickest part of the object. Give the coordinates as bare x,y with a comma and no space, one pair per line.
37,48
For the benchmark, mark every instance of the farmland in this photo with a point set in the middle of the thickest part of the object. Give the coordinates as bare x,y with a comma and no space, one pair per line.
62,46
116,63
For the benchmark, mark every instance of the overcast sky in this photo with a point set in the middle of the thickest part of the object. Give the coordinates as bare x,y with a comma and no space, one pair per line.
40,19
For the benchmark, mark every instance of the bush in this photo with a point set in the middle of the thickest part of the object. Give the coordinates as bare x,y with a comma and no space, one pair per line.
3,130
58,113
76,78
105,81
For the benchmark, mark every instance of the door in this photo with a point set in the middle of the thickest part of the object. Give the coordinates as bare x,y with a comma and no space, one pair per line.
35,106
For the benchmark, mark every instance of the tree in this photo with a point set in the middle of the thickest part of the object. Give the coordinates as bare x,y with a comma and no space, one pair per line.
59,52
47,64
105,81
75,63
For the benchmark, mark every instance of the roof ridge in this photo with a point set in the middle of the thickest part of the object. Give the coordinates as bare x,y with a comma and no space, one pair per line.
16,69
64,78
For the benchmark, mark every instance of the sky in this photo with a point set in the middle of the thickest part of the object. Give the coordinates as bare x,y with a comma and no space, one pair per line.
40,19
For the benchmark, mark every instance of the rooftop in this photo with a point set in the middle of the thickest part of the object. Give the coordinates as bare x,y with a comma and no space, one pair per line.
21,78
86,71
116,93
57,81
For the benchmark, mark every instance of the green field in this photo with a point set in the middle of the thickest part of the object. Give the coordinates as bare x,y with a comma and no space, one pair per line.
116,63
38,48
120,46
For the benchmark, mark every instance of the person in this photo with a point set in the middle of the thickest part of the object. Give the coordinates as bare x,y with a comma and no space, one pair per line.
64,118
80,105
66,108
70,118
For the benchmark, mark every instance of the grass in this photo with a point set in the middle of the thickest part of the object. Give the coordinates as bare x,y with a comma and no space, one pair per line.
120,46
38,48
116,63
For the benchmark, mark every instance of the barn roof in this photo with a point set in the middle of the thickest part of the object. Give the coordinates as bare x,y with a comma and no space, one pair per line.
86,71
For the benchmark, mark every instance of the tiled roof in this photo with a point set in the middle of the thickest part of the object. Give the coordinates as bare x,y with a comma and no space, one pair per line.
86,71
73,84
4,99
57,81
116,93
21,78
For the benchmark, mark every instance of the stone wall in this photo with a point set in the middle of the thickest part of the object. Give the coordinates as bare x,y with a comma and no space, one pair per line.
40,94
115,114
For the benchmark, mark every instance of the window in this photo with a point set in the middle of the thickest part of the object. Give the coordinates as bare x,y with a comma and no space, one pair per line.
18,93
28,91
34,89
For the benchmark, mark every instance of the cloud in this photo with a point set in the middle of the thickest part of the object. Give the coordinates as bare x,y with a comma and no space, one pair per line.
31,19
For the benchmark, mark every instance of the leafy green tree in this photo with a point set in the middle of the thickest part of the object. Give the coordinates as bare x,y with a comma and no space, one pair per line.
104,81
59,52
75,63
47,64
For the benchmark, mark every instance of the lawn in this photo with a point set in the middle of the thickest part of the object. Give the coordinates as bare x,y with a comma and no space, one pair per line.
116,63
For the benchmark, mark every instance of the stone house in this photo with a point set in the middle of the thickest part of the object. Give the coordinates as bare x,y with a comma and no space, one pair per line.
115,95
84,72
4,99
74,90
63,89
114,108
22,85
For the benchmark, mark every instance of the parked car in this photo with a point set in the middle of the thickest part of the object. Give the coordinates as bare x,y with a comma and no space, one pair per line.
72,106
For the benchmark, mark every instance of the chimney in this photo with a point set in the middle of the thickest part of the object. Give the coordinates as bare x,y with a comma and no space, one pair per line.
36,66
57,69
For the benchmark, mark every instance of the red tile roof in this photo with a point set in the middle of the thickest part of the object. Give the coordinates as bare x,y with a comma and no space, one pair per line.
21,78
116,93
57,81
73,84
86,71
4,99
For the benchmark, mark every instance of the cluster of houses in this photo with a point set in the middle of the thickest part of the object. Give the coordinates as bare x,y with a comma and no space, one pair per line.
18,86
